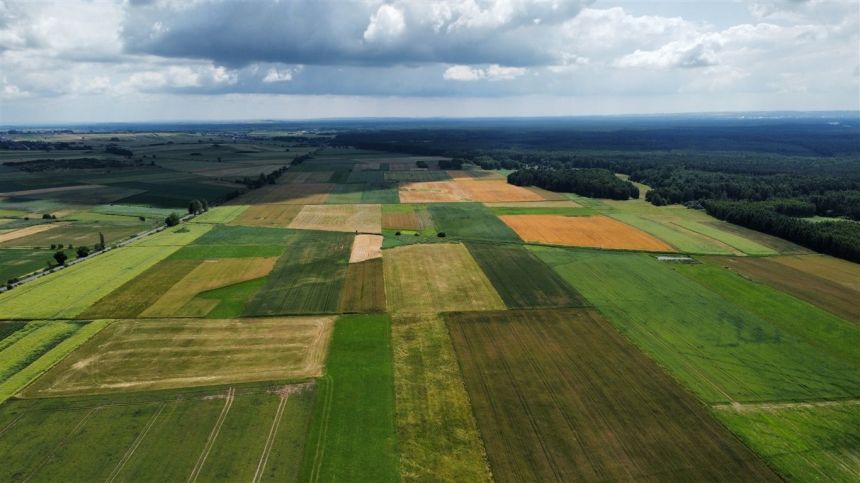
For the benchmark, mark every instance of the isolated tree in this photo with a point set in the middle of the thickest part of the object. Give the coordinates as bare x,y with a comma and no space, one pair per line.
172,219
195,207
83,252
61,257
205,205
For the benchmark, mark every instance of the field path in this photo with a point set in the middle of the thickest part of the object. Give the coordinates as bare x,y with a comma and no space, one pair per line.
231,394
134,445
270,440
777,405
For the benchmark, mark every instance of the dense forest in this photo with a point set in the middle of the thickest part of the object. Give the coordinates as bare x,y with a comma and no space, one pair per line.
591,182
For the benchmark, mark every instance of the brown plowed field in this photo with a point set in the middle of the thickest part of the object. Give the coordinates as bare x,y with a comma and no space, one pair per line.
273,215
496,190
583,231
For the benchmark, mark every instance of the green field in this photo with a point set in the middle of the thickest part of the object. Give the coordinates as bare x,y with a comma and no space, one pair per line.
352,436
470,221
246,432
308,277
560,395
804,442
31,345
522,279
16,262
436,431
719,349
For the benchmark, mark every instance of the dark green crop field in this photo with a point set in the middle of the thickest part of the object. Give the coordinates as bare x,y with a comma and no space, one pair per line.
560,395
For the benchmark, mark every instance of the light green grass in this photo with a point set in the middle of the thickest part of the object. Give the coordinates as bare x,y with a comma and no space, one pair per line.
32,345
720,350
176,236
232,299
741,243
684,240
220,214
352,437
805,443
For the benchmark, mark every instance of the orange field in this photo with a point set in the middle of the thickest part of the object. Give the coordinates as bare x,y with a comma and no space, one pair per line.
273,215
292,193
496,190
432,192
583,231
365,247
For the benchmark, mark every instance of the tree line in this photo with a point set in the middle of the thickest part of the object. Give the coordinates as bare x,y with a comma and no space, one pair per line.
591,182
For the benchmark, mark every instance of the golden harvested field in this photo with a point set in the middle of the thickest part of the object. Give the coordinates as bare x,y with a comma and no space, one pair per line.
272,215
347,218
30,230
534,204
583,231
496,190
211,274
294,194
136,355
432,192
366,247
403,221
436,278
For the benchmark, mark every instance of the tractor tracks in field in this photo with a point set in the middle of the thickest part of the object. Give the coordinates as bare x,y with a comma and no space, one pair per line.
134,445
195,473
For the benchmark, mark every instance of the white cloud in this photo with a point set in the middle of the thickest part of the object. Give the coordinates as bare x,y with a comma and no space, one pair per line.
700,52
385,24
492,72
275,75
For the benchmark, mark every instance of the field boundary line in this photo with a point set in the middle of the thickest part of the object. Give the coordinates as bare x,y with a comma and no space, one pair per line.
778,405
270,440
11,424
201,460
134,445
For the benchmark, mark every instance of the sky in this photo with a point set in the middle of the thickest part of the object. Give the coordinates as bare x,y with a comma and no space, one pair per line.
70,61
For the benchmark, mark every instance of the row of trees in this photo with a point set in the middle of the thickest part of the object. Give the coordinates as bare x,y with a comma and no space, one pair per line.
837,238
595,183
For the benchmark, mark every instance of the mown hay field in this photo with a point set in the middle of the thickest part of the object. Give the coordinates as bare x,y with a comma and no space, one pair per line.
725,338
470,221
364,288
436,432
352,436
69,292
250,432
495,191
522,279
365,247
272,215
583,231
436,278
432,192
179,300
827,294
804,442
308,277
560,395
347,218
134,355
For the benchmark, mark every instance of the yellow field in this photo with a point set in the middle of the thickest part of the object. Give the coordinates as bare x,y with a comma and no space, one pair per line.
583,231
137,355
292,193
347,218
272,215
432,192
436,278
210,274
30,230
496,190
366,247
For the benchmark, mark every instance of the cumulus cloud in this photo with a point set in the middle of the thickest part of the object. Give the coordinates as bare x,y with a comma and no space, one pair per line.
386,24
698,53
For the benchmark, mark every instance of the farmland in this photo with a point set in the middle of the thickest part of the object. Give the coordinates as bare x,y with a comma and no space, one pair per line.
350,314
604,411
